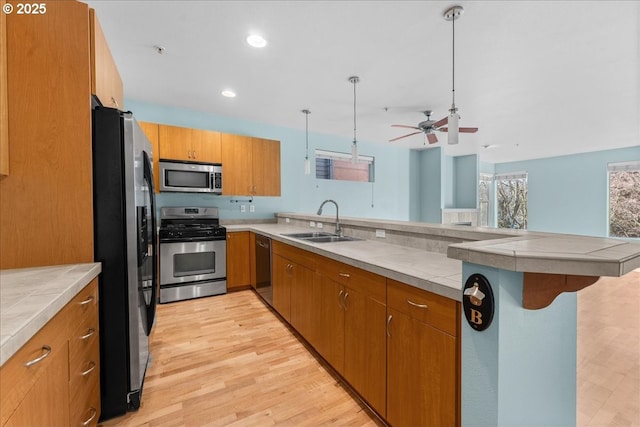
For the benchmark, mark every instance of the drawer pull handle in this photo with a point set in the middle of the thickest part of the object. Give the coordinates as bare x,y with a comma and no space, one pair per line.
92,366
347,275
87,301
416,304
89,333
94,412
389,323
47,352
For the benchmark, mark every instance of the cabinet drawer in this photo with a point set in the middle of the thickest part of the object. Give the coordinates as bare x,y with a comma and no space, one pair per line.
299,256
356,278
83,341
435,310
86,411
84,375
17,378
84,305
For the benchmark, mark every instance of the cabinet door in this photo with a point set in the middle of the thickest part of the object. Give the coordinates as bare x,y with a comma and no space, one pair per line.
238,274
421,374
266,167
106,83
365,347
329,321
281,282
47,403
4,107
174,143
151,131
302,301
205,146
237,165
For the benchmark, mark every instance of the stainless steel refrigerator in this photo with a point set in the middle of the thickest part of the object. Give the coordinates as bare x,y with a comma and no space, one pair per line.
126,244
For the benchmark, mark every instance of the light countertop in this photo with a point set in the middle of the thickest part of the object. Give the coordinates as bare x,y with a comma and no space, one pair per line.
30,297
431,271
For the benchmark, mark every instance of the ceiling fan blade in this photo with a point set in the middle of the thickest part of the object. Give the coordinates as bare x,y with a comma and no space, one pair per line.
432,138
468,130
404,136
441,122
405,126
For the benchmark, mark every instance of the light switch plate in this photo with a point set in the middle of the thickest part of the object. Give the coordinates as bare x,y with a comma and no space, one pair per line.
381,233
319,225
312,224
243,208
252,208
287,220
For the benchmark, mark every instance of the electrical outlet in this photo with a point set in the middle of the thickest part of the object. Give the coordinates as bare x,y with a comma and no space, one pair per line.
287,220
312,224
319,225
381,233
252,208
243,208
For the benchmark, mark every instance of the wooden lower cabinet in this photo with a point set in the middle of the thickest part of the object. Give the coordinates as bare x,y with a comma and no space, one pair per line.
303,304
423,385
281,285
62,385
238,260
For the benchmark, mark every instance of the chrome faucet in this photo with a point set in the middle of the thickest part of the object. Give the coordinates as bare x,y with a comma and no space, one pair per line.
338,229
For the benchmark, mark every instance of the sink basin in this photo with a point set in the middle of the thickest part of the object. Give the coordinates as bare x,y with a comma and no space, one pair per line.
329,239
307,235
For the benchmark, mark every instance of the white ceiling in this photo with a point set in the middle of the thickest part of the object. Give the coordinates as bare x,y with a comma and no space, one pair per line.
539,78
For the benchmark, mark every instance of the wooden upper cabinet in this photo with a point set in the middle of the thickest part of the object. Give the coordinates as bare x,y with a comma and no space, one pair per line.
49,125
195,145
250,166
106,83
151,131
4,104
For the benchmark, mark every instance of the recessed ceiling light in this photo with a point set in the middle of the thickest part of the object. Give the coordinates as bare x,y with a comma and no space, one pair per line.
228,93
256,40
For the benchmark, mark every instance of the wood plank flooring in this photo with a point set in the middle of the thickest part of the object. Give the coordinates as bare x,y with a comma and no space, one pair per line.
608,365
229,361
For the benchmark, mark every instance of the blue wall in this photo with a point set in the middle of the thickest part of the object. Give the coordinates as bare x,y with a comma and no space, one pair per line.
465,181
386,198
569,194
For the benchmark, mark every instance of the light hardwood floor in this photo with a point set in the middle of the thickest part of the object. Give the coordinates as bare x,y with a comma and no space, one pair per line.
228,360
608,388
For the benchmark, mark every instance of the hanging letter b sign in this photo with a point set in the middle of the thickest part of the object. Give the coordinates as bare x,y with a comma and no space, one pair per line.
477,301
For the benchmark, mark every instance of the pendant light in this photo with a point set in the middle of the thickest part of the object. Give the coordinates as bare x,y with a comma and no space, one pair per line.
307,163
452,14
354,146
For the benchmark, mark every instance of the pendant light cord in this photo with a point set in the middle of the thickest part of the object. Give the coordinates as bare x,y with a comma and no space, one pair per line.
306,114
453,60
355,80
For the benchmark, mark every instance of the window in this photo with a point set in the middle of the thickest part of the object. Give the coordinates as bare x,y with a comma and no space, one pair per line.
511,197
624,199
334,165
484,199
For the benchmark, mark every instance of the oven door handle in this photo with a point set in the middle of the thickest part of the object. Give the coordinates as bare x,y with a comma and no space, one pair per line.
192,239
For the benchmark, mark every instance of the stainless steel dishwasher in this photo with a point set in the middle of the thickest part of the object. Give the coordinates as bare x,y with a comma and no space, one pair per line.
263,268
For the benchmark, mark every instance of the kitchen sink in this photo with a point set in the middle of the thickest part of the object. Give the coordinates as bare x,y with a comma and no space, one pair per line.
308,235
320,237
331,238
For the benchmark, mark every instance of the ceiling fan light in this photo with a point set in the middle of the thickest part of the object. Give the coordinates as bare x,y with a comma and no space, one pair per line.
453,128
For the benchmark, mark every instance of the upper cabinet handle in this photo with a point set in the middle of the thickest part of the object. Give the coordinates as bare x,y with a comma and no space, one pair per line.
416,304
87,301
340,299
47,352
346,295
388,323
115,102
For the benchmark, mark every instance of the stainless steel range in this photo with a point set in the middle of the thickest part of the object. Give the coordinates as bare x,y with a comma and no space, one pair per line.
193,253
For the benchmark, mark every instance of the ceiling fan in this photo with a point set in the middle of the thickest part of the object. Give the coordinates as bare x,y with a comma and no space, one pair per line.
429,127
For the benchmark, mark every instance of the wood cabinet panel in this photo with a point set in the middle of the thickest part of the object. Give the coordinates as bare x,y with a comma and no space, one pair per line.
237,160
329,321
365,347
151,131
421,374
194,145
238,261
4,107
266,167
436,310
302,301
106,82
51,166
47,402
281,285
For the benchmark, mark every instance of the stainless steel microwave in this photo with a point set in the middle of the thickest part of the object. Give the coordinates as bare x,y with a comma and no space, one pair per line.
190,177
